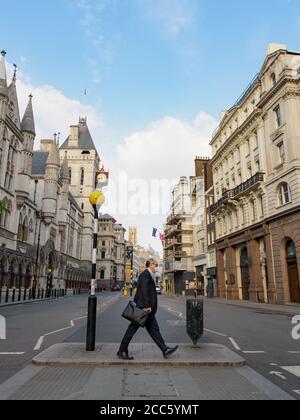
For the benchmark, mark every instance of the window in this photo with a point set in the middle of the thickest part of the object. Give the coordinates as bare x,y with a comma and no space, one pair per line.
284,194
103,243
102,275
82,177
70,174
273,79
281,152
243,212
261,206
256,139
278,118
248,147
257,164
103,254
253,210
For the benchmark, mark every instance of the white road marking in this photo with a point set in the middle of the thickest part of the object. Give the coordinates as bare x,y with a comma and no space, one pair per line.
278,374
217,333
273,364
234,343
254,352
72,325
12,354
297,391
82,317
39,343
294,352
294,370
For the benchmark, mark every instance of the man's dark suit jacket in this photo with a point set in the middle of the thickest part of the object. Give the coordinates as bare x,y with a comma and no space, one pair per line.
146,295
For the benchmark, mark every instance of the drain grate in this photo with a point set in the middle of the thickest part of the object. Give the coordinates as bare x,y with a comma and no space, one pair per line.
148,383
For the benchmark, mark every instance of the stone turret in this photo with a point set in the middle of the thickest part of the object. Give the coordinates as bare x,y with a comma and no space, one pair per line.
28,130
64,204
51,183
3,93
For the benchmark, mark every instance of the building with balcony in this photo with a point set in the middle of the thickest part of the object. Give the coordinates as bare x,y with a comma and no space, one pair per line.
255,165
179,265
111,254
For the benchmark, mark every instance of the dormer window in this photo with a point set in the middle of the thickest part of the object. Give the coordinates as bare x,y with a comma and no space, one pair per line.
86,152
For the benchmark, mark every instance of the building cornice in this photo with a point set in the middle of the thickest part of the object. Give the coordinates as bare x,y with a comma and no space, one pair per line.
234,136
267,96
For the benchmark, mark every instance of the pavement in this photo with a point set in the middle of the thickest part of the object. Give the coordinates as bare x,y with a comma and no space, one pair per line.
145,355
260,336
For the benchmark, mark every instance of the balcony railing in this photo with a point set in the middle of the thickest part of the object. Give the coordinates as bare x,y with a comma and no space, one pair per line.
241,189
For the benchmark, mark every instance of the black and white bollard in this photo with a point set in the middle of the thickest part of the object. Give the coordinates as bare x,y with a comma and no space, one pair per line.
92,306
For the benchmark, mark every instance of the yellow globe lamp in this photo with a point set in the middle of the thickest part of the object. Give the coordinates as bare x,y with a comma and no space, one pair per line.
97,198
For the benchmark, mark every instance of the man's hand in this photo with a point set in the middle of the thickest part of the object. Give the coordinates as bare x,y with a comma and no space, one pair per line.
148,310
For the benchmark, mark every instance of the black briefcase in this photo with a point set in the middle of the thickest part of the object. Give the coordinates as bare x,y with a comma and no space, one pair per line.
135,315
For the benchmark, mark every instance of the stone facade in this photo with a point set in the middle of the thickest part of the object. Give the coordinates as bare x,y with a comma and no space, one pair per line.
111,253
46,223
255,165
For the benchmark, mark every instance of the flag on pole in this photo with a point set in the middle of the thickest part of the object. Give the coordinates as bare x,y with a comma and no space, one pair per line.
154,233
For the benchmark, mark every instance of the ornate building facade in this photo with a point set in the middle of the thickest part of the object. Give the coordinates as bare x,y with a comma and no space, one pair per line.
256,158
46,223
111,252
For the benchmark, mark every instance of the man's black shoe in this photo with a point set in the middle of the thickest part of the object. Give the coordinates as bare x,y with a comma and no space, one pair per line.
170,351
124,356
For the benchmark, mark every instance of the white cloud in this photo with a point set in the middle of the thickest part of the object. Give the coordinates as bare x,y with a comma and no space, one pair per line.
53,111
164,151
172,16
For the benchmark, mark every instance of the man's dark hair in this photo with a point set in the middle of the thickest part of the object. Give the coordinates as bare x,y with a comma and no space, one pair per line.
148,263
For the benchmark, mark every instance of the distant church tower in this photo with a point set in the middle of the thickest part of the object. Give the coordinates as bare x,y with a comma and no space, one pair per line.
84,162
132,236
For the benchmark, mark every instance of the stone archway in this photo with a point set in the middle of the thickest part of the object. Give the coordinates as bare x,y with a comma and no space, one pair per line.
245,274
292,270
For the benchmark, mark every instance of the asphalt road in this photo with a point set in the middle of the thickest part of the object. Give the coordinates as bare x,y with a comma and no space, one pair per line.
262,336
32,327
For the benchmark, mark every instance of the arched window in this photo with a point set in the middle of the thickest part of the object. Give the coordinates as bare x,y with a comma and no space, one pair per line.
284,194
82,177
291,249
102,275
6,213
70,174
273,79
20,228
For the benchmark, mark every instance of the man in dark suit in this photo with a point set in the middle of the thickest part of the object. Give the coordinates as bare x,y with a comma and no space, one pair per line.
146,299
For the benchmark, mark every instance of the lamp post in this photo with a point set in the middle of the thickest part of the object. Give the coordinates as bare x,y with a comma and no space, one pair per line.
97,200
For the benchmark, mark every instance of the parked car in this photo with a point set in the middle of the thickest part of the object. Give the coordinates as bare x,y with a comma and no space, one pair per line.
158,290
116,288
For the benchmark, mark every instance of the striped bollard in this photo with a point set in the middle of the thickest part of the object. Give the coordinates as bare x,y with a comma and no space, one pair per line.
96,199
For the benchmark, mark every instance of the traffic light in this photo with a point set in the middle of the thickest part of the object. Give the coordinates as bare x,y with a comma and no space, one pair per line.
130,252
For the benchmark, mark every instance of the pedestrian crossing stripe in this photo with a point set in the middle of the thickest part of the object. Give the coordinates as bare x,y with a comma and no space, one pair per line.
294,370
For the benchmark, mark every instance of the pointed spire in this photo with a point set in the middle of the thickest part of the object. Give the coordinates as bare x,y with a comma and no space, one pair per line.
27,124
3,78
14,79
64,171
53,158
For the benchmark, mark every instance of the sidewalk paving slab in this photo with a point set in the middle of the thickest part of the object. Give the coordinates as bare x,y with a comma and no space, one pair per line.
146,355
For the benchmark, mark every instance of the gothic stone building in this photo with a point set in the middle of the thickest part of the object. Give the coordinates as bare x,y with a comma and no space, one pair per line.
46,223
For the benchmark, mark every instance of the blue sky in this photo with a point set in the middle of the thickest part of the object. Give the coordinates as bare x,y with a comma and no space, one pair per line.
142,62
146,70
